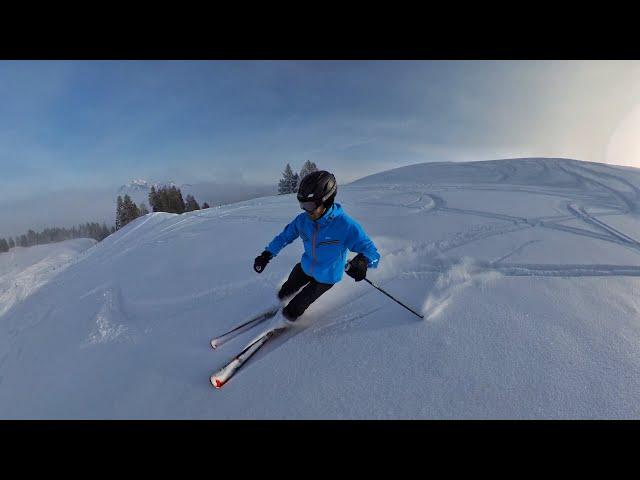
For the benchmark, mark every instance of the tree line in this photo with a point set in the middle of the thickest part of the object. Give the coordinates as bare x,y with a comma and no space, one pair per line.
163,199
56,234
169,199
290,180
127,211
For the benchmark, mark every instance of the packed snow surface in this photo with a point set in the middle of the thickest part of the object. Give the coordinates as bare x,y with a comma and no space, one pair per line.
526,271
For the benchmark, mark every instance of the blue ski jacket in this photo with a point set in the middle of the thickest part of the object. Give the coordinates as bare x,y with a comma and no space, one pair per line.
326,242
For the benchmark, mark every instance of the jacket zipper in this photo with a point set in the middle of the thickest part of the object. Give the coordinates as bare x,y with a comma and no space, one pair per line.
313,247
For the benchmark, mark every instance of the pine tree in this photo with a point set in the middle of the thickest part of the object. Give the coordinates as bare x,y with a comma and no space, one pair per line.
162,200
205,205
159,203
143,209
131,211
172,200
306,169
119,213
167,199
12,243
191,204
179,202
127,211
31,238
154,200
104,232
289,181
4,245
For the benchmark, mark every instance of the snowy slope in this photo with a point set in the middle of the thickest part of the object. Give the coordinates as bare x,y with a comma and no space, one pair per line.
526,269
25,269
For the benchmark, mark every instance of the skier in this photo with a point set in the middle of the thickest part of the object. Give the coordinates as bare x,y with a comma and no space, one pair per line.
327,232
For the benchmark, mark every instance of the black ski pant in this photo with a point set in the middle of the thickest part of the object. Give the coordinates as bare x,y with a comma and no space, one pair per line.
309,294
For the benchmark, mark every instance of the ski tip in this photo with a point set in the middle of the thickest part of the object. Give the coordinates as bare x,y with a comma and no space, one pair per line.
214,344
216,382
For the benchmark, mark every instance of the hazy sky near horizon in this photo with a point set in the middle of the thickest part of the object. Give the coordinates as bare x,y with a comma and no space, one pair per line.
72,124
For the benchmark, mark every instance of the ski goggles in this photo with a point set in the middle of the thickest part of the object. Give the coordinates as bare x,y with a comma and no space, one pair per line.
308,206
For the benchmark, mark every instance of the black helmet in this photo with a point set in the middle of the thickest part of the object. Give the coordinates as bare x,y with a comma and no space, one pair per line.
319,187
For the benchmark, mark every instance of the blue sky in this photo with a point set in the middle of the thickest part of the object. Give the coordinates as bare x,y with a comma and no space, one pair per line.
71,124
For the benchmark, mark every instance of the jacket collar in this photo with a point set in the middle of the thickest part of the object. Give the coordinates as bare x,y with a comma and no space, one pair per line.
334,211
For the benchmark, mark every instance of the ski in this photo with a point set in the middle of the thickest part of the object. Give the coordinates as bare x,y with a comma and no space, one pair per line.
243,327
223,375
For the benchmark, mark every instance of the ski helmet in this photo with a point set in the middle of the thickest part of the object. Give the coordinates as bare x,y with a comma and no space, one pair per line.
317,188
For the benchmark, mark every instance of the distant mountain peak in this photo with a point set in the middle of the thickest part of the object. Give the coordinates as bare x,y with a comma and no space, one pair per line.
140,185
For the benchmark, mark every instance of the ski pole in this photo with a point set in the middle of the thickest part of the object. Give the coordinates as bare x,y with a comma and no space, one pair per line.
387,294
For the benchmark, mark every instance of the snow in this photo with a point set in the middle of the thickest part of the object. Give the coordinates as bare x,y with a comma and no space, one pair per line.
526,270
25,269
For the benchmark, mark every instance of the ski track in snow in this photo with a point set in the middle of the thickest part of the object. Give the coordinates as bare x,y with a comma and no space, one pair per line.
344,322
170,307
111,321
447,288
609,234
513,252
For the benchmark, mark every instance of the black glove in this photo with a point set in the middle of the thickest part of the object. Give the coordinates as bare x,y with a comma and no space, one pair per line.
358,267
260,262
